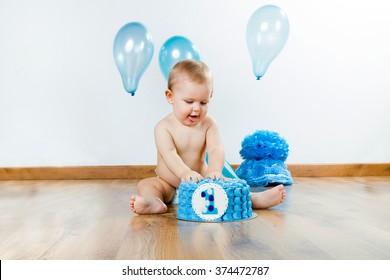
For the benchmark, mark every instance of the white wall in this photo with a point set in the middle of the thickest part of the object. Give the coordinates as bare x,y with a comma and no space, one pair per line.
62,100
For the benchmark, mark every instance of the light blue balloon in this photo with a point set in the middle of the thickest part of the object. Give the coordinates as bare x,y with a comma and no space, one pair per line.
175,49
266,34
133,50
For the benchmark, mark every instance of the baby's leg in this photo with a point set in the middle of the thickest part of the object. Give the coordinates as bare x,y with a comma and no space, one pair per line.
268,198
152,193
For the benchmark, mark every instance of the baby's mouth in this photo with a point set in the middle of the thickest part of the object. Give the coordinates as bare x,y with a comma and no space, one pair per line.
193,117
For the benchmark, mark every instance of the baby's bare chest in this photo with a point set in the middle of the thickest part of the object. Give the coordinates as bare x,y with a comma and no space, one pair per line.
189,140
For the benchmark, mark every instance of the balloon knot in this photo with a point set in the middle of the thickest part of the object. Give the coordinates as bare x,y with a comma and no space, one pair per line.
258,78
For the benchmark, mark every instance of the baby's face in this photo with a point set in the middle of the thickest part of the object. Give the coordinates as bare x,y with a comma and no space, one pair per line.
190,101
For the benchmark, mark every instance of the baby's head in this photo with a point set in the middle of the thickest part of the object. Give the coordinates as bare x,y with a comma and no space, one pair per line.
192,70
190,88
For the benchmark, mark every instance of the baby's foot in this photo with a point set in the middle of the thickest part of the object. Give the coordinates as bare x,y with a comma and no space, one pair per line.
268,198
147,205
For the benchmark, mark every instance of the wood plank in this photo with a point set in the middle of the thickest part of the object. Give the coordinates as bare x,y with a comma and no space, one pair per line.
77,172
339,170
322,218
145,171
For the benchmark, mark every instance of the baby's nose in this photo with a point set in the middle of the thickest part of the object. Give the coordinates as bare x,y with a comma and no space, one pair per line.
196,106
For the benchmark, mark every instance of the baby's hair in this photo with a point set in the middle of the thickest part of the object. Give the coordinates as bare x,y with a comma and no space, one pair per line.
194,70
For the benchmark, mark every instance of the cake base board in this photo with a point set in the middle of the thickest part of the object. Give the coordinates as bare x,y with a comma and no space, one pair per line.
254,215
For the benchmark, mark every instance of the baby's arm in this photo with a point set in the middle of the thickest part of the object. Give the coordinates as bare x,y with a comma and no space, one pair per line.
216,152
167,149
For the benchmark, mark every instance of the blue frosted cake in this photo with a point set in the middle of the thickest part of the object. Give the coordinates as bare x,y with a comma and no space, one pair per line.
214,200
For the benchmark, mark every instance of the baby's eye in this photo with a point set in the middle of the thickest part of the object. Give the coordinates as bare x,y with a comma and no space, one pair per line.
189,101
204,103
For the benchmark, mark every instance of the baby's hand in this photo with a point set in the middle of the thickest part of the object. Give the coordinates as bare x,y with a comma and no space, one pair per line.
214,175
191,176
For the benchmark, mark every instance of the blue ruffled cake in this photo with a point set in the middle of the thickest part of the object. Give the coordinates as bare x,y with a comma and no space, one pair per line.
264,172
214,200
264,153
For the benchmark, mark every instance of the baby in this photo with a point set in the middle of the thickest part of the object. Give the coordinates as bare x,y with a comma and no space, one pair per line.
182,139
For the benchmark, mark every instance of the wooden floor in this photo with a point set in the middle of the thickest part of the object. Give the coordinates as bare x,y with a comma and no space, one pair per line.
322,218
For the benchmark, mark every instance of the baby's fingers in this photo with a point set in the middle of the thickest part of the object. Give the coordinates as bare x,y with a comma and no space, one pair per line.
196,178
192,177
215,176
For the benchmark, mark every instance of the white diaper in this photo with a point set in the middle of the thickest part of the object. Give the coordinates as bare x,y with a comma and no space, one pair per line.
175,199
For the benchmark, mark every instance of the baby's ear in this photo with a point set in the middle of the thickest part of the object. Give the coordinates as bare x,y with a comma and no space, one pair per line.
169,96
